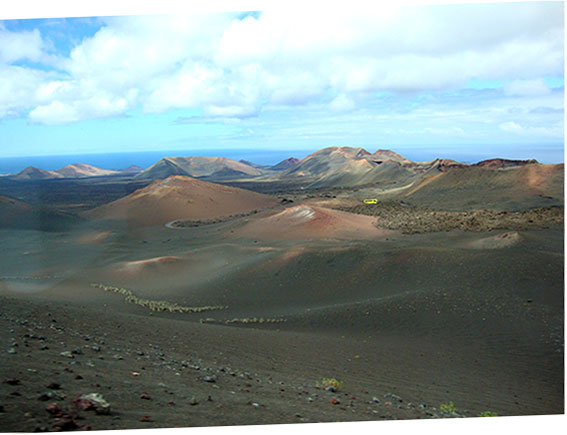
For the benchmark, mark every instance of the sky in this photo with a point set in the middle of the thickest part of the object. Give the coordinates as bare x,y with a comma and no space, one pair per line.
463,81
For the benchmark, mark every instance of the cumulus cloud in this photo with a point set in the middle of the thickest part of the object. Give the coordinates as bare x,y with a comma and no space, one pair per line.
16,46
342,103
236,67
527,88
555,131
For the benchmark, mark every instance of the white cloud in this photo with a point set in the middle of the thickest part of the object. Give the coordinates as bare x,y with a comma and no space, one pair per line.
555,131
527,88
284,57
342,103
16,46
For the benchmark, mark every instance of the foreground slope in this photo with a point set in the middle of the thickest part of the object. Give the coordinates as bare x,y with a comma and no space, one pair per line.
179,197
15,214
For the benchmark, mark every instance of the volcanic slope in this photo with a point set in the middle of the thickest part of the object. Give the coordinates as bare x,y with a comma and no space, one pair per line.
348,167
76,170
212,167
15,214
310,222
179,197
31,173
512,188
80,170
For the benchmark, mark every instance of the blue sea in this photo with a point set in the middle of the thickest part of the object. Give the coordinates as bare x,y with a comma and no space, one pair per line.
11,165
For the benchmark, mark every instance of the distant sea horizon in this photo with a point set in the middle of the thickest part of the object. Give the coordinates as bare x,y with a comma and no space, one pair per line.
145,159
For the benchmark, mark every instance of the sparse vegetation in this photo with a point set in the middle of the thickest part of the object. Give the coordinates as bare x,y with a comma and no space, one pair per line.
487,414
157,305
245,320
448,407
329,383
410,219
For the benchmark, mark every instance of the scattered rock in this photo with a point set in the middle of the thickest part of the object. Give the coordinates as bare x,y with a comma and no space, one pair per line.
393,397
54,386
193,401
11,350
54,409
210,379
51,395
255,405
67,354
334,401
12,381
145,396
65,423
146,419
375,399
93,401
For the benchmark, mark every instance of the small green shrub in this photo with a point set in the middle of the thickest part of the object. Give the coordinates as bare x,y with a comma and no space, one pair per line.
329,383
487,414
448,407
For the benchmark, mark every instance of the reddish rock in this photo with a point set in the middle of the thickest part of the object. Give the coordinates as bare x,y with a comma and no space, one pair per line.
54,409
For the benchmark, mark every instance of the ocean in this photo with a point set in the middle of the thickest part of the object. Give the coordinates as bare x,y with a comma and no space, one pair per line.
144,159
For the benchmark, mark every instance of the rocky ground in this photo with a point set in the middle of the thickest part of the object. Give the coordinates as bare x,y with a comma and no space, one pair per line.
412,220
67,369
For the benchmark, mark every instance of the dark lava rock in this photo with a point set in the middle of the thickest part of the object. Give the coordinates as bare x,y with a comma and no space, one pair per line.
65,423
54,409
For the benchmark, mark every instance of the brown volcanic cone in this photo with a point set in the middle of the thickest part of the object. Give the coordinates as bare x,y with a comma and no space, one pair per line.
179,197
310,222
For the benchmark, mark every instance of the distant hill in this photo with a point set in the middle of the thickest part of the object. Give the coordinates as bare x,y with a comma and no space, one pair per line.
80,170
254,165
198,167
132,169
285,164
389,155
179,197
75,170
31,173
346,166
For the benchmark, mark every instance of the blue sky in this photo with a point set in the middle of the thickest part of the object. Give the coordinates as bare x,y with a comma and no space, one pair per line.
420,80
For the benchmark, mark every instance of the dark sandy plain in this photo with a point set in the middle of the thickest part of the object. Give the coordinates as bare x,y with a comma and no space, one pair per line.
237,318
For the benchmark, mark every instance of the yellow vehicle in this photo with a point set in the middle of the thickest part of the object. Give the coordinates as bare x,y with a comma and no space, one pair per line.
371,201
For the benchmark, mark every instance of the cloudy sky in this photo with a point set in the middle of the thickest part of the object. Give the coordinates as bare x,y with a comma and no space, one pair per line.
467,81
